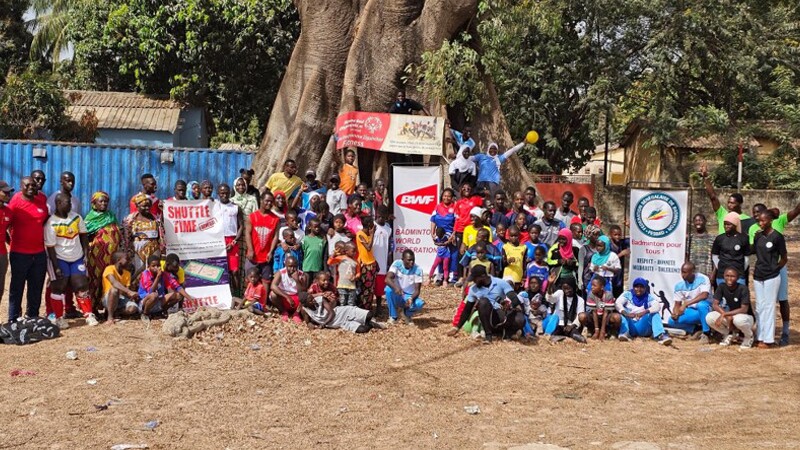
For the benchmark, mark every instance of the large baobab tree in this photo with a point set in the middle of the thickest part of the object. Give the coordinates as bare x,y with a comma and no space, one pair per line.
350,56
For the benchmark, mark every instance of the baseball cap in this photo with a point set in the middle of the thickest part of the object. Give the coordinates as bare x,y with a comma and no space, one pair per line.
477,211
5,187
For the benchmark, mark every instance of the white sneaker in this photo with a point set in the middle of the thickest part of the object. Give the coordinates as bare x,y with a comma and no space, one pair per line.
62,323
91,320
747,342
475,335
727,341
392,321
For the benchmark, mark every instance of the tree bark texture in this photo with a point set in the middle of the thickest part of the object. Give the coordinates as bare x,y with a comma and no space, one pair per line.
351,56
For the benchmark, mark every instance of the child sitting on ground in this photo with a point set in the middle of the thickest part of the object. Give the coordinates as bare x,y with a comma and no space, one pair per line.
600,304
286,284
158,290
442,261
255,295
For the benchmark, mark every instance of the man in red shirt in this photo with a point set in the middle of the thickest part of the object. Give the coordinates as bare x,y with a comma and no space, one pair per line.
261,237
149,187
28,257
5,221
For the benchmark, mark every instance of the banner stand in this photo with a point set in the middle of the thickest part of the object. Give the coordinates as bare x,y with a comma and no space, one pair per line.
659,224
415,193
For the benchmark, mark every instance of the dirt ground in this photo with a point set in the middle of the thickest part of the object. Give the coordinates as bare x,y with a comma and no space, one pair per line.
398,388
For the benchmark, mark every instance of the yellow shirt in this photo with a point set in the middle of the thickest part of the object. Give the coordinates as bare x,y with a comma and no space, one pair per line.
279,182
470,236
514,270
348,178
181,276
124,278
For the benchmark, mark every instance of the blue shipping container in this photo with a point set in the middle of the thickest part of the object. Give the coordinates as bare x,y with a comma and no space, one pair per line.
117,170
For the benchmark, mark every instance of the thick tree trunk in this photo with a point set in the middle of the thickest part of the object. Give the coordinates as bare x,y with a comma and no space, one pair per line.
350,56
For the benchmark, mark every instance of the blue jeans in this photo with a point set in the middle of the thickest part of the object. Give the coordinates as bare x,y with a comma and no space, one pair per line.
649,325
693,316
397,303
27,270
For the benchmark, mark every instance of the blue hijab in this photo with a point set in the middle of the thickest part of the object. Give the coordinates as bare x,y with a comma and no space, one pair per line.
641,302
600,259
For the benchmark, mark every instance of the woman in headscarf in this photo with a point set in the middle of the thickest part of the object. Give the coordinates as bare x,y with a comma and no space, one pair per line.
246,202
194,190
281,207
569,316
730,249
640,311
104,239
605,263
562,259
142,235
462,169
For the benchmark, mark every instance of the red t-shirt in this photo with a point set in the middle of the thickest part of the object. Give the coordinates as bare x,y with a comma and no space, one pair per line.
27,223
263,229
256,294
5,222
463,207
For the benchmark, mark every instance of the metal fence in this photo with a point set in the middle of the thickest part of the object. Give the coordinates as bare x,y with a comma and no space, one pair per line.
115,169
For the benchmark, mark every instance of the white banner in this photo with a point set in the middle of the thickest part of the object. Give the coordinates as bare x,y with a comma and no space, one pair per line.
416,192
193,231
658,241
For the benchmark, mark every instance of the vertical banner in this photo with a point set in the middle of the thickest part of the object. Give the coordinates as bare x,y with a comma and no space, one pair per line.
658,241
193,230
416,192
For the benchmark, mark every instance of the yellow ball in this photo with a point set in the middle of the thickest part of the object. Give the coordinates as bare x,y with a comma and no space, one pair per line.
532,137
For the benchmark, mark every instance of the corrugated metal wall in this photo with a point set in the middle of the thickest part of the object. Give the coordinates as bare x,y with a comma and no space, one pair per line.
116,170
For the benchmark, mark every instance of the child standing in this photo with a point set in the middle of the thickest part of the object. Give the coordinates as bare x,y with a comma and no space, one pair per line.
367,262
601,304
314,249
382,248
292,223
232,227
514,257
285,249
338,233
605,263
349,172
442,261
346,282
335,197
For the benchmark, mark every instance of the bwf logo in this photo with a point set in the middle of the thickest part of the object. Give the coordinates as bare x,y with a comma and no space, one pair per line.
421,200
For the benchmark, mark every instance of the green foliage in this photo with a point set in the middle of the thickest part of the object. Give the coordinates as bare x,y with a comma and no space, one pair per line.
14,37
228,55
31,103
451,75
251,136
52,23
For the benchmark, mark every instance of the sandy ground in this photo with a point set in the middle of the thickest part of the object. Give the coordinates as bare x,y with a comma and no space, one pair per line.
399,388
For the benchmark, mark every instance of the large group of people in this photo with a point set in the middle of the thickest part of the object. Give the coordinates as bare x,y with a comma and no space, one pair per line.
320,253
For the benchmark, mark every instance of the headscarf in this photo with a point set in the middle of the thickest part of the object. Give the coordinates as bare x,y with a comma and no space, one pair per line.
565,250
246,202
496,157
276,194
97,220
139,198
189,194
643,301
733,218
599,259
462,164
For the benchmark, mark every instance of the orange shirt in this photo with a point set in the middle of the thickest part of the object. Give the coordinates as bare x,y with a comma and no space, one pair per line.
364,256
348,178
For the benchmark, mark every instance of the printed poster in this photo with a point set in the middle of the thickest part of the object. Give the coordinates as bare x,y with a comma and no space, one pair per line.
395,133
193,231
416,191
658,241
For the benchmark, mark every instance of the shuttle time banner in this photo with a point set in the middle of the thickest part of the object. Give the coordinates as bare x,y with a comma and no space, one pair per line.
193,231
658,241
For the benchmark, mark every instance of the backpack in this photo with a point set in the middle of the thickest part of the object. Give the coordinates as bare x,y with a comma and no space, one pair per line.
28,331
